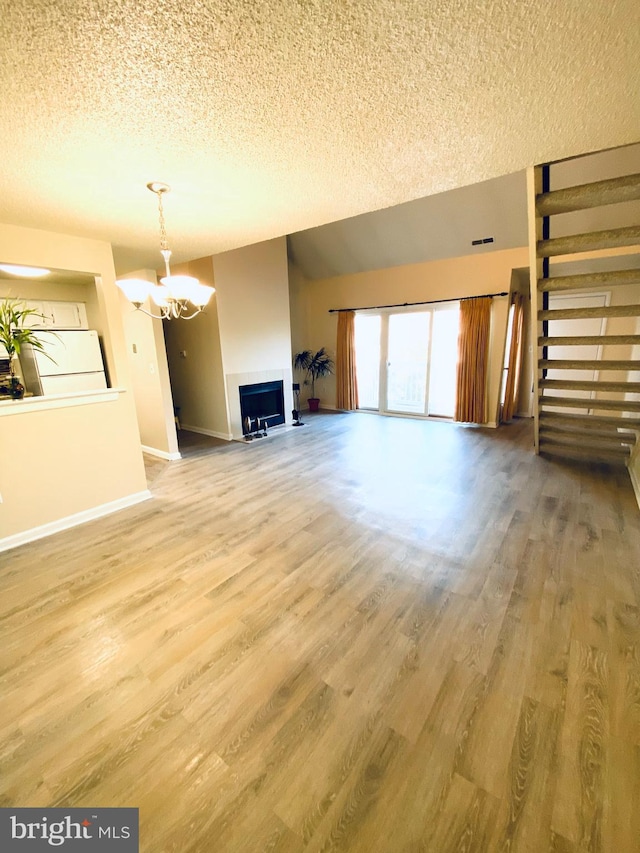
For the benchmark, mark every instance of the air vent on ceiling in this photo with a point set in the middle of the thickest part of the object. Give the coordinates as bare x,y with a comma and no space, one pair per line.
480,242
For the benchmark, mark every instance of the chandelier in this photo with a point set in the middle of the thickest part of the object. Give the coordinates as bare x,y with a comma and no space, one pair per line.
175,293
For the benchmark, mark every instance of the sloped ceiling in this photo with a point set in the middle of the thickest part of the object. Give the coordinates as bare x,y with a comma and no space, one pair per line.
268,118
438,226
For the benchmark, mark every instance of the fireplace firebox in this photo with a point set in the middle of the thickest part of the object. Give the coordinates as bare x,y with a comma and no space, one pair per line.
261,406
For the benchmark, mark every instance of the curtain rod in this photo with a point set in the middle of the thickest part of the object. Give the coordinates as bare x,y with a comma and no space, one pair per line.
409,304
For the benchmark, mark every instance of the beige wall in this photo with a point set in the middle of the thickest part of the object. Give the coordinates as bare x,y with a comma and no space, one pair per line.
197,380
66,461
149,375
471,275
253,307
297,306
69,460
252,289
524,403
243,336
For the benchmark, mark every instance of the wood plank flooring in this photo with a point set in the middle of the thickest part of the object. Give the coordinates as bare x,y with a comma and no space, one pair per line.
367,634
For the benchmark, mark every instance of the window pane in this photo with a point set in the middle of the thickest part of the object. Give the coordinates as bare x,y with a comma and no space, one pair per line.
407,367
368,359
444,360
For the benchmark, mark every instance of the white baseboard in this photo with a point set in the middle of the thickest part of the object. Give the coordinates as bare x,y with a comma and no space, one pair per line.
72,520
225,436
162,454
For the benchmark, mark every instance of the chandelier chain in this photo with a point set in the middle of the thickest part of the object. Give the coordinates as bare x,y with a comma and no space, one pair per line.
164,244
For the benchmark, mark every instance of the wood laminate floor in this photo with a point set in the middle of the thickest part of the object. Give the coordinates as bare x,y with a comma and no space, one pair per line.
367,634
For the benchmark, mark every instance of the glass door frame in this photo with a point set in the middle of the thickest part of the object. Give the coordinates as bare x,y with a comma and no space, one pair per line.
384,314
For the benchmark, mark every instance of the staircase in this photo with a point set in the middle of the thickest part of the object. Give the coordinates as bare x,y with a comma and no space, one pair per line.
602,419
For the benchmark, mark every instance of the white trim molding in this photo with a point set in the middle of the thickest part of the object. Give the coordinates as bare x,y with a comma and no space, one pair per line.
225,436
72,520
161,454
59,401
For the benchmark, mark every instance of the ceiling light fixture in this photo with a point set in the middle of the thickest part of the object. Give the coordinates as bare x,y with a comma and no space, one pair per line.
24,272
175,292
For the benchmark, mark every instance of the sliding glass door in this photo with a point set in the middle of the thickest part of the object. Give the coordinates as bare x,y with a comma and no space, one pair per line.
406,360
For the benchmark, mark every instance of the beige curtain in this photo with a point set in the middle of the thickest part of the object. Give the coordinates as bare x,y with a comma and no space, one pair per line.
346,381
473,359
515,359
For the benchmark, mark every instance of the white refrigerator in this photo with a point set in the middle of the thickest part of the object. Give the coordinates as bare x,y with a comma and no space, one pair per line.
74,363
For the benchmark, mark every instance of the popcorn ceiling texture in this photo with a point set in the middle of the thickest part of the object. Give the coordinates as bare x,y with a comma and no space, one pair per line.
270,117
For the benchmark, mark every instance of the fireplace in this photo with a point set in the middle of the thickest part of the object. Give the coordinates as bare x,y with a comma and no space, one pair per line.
261,405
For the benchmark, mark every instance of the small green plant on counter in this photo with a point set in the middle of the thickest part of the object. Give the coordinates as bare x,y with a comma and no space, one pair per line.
14,334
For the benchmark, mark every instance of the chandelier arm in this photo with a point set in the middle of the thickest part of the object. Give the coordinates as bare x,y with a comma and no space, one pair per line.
191,316
148,313
177,291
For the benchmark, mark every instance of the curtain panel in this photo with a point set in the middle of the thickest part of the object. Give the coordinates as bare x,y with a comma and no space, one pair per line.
514,367
473,360
346,380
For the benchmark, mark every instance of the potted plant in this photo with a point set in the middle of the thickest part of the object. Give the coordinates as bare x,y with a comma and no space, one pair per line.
316,365
13,336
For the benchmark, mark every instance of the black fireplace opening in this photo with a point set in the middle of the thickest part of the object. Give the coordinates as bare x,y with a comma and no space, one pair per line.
261,404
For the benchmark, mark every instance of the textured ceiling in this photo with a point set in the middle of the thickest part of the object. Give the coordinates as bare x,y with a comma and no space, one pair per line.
269,117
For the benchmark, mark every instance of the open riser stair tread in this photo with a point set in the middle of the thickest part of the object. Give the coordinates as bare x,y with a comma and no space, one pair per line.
589,313
576,455
588,364
593,450
589,385
612,238
585,196
586,445
613,278
589,340
579,403
596,421
576,433
591,453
